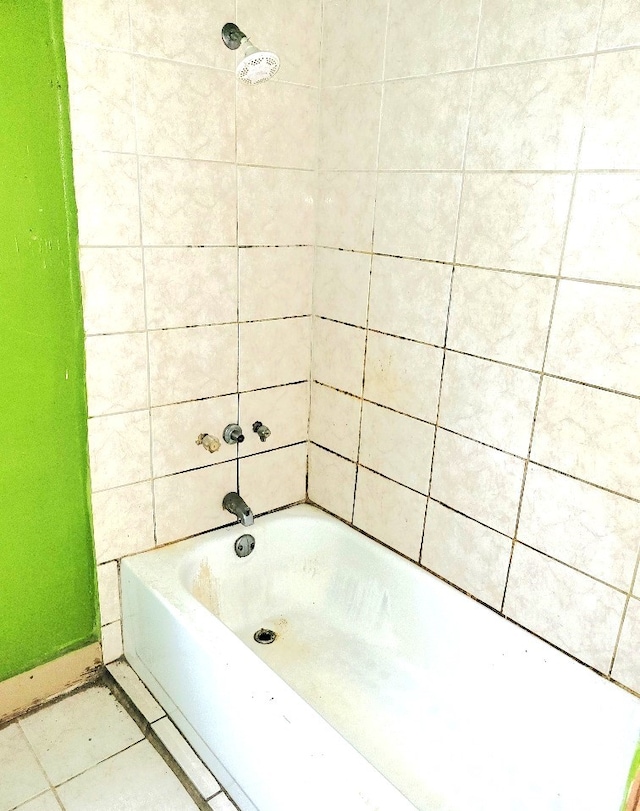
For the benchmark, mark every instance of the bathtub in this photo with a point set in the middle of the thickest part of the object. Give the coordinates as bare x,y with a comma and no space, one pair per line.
385,689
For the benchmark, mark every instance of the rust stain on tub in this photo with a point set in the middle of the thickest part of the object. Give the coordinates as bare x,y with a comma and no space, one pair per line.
204,588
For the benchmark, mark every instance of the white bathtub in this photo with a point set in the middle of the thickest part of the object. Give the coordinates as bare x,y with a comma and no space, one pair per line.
385,689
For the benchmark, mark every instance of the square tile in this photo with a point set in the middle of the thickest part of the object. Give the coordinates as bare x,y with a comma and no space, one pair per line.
275,282
335,420
346,202
473,557
186,758
22,776
112,290
410,298
75,734
569,609
119,449
391,513
117,373
122,521
416,214
274,479
514,221
283,409
528,116
585,432
137,779
501,316
397,446
275,206
488,402
105,22
587,528
478,481
418,131
595,336
188,364
341,285
332,482
137,692
112,647
262,359
350,118
341,63
403,375
189,287
191,502
109,592
331,340
626,668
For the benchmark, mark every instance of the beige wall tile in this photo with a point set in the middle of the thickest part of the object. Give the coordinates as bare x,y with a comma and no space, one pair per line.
542,103
189,503
488,402
104,22
201,208
478,481
335,421
119,449
620,24
111,642
188,287
101,99
331,340
277,124
275,206
341,62
331,482
274,352
612,113
502,316
122,522
112,290
182,30
284,410
536,29
416,214
430,37
403,375
350,118
418,131
626,668
274,479
346,203
117,373
595,336
465,553
397,446
569,609
106,187
514,221
109,592
410,298
603,241
389,512
587,528
183,111
292,30
586,432
275,282
175,429
187,364
341,285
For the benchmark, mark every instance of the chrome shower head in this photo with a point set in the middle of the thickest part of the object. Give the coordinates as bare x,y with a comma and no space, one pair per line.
257,66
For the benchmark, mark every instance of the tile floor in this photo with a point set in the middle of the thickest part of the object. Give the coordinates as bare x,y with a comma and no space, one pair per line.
86,753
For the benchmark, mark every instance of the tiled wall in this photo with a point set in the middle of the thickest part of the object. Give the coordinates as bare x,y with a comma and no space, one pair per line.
478,276
196,214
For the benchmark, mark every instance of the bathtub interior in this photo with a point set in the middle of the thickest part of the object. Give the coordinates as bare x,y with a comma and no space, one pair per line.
458,708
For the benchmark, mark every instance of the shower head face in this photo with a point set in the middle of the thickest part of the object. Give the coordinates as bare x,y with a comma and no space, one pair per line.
258,67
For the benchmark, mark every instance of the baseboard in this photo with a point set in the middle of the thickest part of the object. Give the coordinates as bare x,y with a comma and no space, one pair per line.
35,687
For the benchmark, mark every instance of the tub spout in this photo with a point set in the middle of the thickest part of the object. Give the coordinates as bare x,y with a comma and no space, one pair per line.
236,505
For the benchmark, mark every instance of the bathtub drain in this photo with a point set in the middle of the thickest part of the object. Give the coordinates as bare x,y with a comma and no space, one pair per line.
265,636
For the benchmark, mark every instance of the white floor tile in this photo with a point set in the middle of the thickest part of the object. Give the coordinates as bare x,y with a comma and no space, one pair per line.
45,802
20,775
137,692
222,803
135,780
194,768
78,732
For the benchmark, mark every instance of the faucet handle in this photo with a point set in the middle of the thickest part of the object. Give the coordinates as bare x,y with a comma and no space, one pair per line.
232,434
261,430
208,442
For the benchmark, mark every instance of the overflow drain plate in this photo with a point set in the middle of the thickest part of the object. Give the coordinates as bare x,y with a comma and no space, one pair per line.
265,636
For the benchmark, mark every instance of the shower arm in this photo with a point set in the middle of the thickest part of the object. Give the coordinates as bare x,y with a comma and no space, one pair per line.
232,36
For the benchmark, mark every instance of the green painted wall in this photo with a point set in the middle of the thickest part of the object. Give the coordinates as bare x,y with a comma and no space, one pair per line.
47,571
